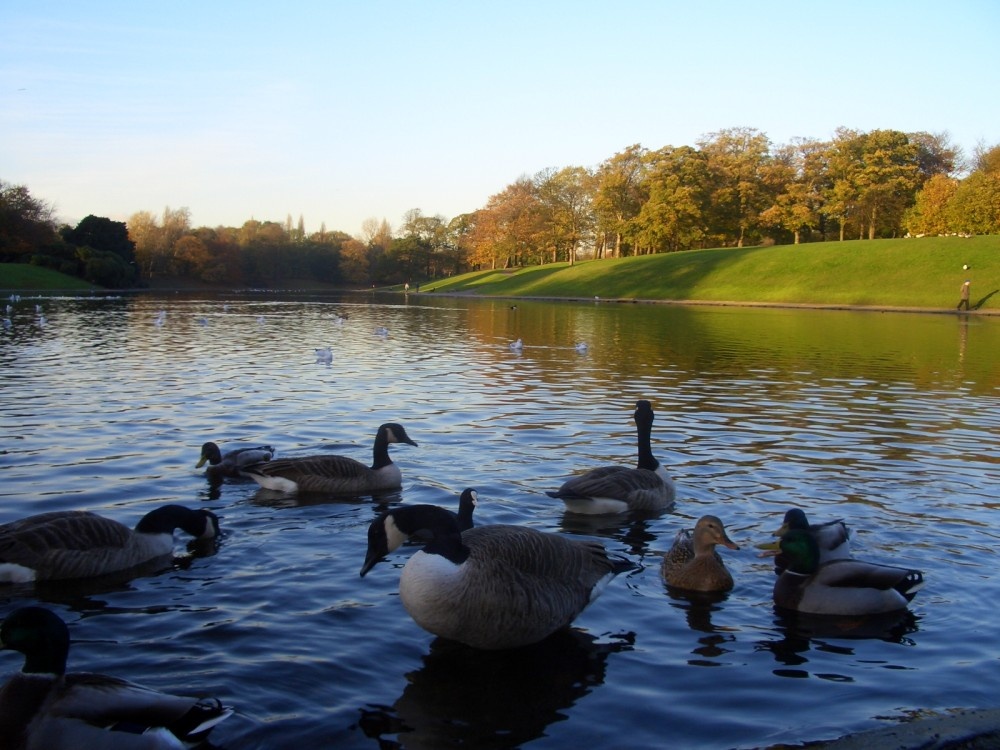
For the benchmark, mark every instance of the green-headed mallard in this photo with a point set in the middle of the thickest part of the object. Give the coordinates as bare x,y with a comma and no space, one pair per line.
44,708
80,544
833,538
494,587
692,563
617,489
839,587
231,463
336,475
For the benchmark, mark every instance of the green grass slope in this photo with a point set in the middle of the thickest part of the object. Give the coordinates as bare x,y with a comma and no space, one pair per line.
918,272
15,277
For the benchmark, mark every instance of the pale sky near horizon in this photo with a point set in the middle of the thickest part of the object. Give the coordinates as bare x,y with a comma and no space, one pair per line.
343,111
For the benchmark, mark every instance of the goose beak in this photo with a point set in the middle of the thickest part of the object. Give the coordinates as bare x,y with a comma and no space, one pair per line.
370,560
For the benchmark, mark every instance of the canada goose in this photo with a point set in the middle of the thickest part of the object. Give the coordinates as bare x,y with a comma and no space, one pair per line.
616,489
338,475
497,586
833,538
839,587
387,536
79,544
231,463
692,562
43,707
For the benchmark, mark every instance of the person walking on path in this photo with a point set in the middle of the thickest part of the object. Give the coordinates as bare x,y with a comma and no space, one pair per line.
963,300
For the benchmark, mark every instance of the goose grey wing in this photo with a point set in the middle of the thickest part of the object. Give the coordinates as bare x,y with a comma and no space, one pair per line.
320,466
606,481
32,537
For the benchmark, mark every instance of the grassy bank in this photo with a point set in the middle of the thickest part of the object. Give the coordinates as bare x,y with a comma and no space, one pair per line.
18,277
924,272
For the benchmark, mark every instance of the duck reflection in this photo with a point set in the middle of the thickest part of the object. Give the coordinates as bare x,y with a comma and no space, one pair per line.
799,633
466,697
698,607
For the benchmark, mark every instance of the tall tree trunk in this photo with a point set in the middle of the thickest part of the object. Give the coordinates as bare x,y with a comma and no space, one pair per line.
796,237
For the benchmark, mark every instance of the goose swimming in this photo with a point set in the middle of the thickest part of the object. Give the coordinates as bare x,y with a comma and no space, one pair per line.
497,586
337,475
80,544
44,708
617,489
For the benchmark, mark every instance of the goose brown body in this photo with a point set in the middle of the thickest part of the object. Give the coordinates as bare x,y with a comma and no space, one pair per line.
336,475
617,489
498,586
80,544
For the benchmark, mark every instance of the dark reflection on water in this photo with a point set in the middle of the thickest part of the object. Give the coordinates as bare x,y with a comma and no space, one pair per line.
889,421
462,697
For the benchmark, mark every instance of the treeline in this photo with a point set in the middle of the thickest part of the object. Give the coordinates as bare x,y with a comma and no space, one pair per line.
734,188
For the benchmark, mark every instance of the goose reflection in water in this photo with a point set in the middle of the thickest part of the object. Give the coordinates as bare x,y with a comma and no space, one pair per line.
467,697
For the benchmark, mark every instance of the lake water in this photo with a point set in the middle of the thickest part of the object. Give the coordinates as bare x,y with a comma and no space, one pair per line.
890,421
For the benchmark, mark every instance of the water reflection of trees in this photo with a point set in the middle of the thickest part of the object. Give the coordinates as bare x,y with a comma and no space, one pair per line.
466,697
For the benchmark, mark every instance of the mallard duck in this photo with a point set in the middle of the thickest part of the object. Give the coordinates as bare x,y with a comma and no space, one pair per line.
336,475
833,538
839,587
231,463
692,563
44,707
387,536
80,544
493,587
617,489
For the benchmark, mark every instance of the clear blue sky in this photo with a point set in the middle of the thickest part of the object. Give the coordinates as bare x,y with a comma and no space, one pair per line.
343,111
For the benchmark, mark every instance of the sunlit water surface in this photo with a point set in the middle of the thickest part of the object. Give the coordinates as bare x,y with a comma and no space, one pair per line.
890,421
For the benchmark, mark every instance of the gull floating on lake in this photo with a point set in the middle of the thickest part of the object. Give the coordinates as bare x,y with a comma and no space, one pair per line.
324,355
516,346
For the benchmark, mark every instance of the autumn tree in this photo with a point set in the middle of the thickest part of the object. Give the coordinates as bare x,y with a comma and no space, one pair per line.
737,158
672,218
26,224
565,197
930,212
798,177
618,198
975,207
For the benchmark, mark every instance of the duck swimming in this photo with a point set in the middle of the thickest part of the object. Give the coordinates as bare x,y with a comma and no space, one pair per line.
45,708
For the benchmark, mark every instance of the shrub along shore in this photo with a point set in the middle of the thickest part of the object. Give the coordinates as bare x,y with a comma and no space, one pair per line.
919,274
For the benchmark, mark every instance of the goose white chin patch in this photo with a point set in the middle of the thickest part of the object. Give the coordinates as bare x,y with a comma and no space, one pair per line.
13,573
